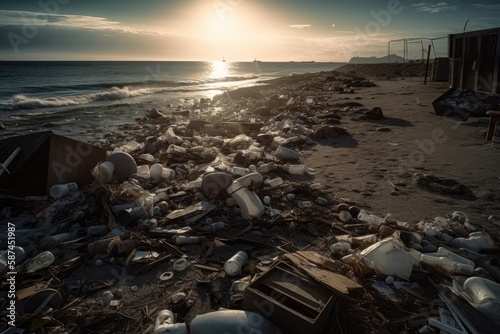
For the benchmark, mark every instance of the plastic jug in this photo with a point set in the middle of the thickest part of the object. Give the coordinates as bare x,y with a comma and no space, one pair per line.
249,203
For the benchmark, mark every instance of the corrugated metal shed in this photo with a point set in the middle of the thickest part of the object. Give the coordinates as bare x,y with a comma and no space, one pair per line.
475,60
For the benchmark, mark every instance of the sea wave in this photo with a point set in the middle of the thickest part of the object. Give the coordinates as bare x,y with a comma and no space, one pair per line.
21,101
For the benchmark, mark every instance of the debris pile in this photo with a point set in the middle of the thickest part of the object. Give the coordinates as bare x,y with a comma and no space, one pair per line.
217,226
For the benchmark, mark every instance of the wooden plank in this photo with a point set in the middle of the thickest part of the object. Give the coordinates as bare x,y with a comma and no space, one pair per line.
337,282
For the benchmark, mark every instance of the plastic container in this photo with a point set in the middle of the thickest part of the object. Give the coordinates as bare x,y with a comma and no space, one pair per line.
304,204
40,261
275,182
390,257
286,153
484,295
130,216
234,265
165,323
19,254
249,203
185,240
212,227
158,173
369,218
194,184
265,168
297,169
240,171
143,171
97,230
476,241
446,266
52,241
60,190
455,257
174,149
232,322
105,171
340,248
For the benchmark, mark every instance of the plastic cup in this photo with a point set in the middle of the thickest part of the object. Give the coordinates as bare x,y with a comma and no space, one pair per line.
105,171
60,190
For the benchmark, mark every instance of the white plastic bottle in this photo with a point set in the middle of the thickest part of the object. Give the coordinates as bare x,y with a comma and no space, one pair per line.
234,265
249,203
369,218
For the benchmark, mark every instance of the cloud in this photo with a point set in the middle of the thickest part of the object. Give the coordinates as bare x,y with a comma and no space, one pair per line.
23,18
487,6
300,26
433,7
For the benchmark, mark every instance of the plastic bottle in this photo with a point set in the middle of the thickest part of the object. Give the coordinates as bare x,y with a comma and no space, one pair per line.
265,168
240,171
477,241
275,182
446,266
185,240
286,153
60,190
369,218
297,169
248,201
212,227
234,265
485,297
304,204
52,241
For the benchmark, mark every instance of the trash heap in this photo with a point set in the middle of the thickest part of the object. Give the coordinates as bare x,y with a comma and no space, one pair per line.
219,227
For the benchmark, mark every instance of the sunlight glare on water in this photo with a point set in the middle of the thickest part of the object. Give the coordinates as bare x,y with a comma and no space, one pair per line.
219,69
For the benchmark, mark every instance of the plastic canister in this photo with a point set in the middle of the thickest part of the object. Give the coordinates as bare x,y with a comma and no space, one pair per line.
60,190
233,266
248,201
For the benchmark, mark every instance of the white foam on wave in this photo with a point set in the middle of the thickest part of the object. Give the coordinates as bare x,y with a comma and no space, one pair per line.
20,101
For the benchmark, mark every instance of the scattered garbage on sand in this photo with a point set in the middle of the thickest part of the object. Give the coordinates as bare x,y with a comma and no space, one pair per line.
208,229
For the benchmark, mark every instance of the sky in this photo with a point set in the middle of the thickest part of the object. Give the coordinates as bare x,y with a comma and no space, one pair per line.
236,30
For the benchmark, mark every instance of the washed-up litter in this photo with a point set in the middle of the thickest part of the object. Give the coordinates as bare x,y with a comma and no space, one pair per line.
220,228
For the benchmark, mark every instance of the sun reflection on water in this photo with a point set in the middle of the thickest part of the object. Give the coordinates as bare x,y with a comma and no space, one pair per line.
220,69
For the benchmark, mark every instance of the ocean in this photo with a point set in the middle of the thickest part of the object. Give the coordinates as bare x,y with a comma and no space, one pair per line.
80,98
